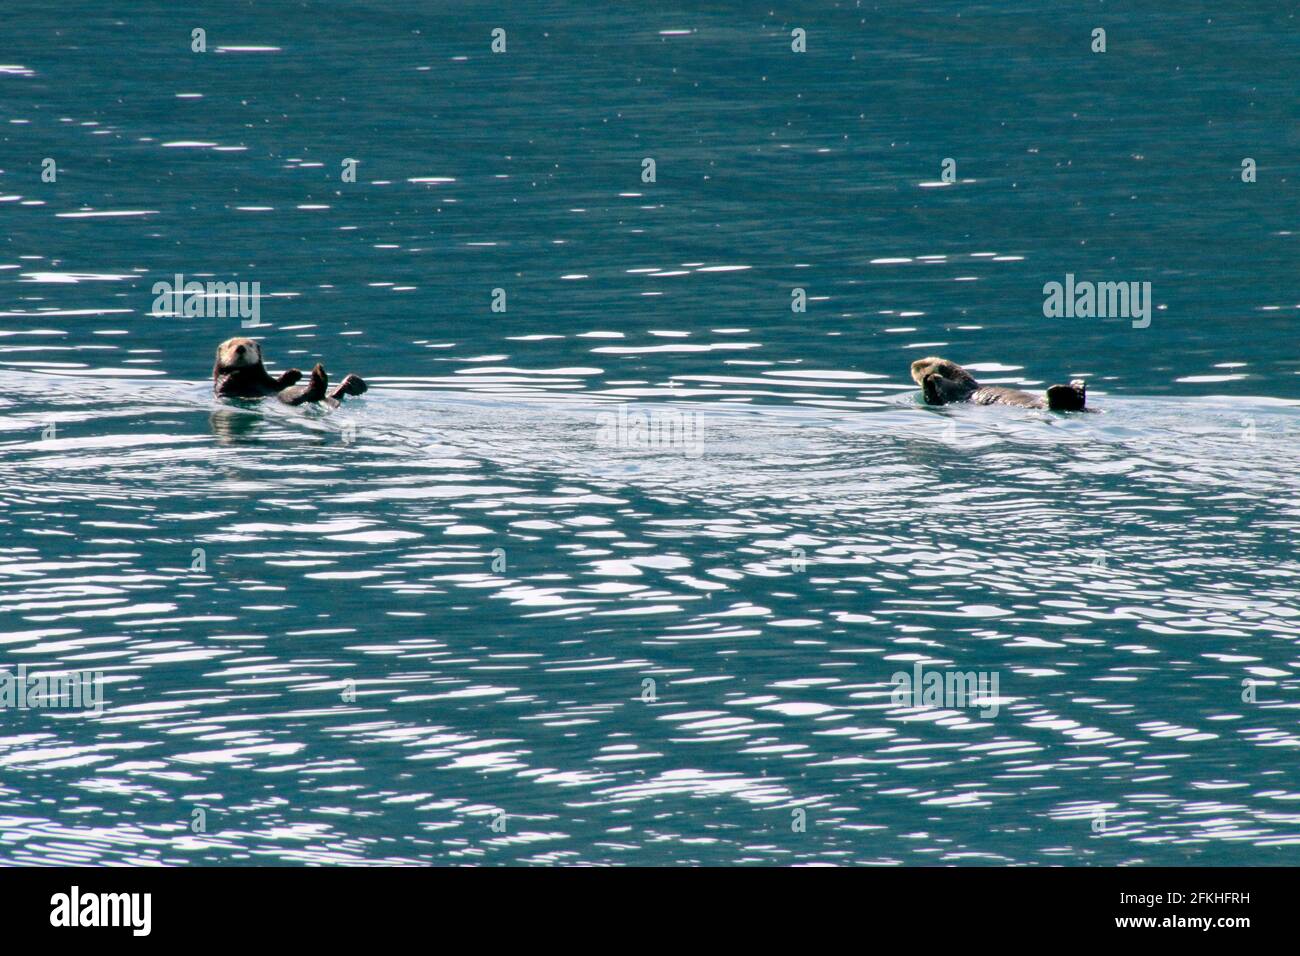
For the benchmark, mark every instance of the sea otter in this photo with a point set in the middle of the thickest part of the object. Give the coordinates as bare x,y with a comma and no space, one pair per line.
943,382
239,373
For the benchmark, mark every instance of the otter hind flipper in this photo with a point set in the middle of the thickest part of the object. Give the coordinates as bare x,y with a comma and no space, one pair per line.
313,391
352,384
1068,398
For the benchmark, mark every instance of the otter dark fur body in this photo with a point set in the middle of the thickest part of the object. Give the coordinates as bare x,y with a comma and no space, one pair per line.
943,382
251,381
239,373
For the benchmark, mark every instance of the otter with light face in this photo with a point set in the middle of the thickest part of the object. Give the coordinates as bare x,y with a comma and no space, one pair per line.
239,373
943,382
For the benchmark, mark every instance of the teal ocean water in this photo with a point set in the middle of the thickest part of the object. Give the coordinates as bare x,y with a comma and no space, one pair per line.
618,558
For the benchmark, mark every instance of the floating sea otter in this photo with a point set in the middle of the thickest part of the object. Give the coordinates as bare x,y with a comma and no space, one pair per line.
943,382
239,373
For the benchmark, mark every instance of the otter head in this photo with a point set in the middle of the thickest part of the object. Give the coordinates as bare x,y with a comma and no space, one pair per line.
238,353
950,370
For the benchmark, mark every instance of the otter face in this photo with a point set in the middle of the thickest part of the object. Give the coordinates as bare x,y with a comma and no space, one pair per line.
951,370
238,353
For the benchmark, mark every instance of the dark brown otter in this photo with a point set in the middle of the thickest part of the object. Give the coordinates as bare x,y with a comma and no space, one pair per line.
943,382
239,373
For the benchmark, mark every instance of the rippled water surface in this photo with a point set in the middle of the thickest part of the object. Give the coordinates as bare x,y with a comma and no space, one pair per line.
453,622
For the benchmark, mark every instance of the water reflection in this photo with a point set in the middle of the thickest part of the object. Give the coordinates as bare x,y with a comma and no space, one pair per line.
423,611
